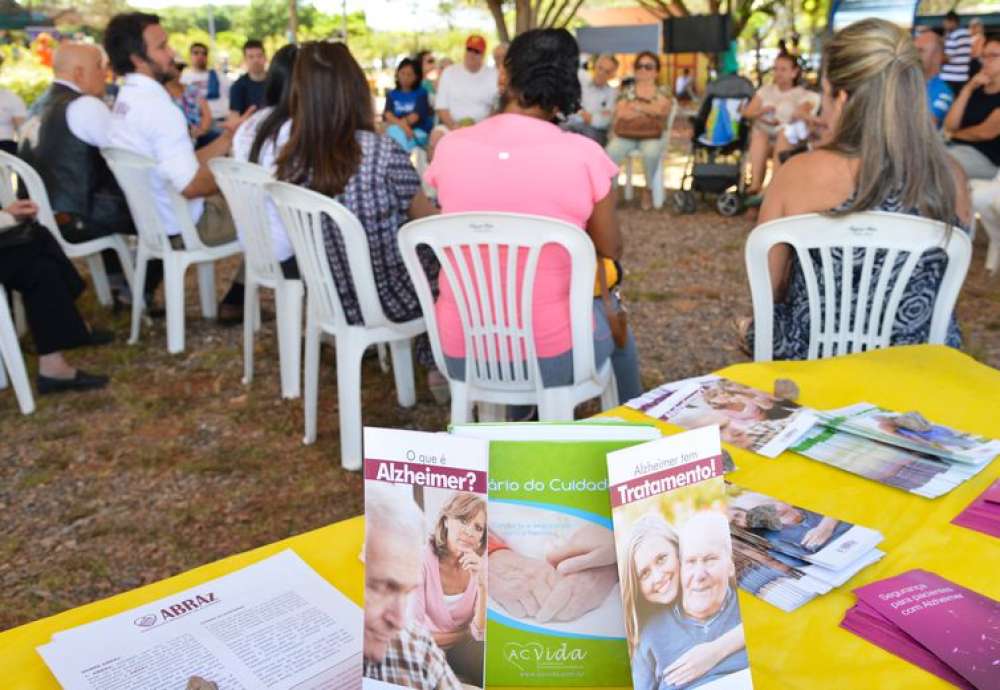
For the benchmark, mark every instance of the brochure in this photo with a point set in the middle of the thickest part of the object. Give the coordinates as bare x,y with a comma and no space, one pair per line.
918,473
787,555
880,424
275,624
554,617
676,563
748,418
983,514
425,560
954,624
820,539
866,622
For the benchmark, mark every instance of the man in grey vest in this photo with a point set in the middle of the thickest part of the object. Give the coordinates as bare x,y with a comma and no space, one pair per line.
62,143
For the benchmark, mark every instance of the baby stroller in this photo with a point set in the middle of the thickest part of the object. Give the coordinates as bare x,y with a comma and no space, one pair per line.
718,145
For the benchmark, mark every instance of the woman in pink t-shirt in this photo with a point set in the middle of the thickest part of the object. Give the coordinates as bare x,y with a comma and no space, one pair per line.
519,161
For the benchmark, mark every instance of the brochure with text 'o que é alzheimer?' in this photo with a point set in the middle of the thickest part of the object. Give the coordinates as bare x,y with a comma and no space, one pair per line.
425,560
748,418
676,564
554,617
274,624
934,623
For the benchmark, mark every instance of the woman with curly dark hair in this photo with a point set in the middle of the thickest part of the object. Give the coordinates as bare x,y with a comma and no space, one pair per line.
520,161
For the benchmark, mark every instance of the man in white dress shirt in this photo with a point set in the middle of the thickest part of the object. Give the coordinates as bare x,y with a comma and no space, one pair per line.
146,121
62,141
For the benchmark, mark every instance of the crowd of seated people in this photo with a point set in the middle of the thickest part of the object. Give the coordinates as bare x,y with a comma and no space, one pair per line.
505,142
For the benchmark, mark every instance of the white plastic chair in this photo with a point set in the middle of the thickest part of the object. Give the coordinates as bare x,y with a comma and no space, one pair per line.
986,204
12,360
133,174
242,184
495,373
301,211
89,250
659,191
840,331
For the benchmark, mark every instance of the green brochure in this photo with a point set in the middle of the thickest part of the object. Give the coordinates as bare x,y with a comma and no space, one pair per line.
554,615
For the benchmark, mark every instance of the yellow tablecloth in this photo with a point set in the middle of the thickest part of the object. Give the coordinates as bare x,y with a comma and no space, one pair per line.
805,649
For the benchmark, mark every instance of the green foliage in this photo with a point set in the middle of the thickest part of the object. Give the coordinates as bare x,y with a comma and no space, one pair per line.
26,77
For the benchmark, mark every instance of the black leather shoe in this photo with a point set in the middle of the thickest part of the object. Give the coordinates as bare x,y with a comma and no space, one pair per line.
99,336
81,382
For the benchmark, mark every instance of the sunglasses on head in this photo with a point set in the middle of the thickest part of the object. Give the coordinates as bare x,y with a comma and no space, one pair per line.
645,65
474,50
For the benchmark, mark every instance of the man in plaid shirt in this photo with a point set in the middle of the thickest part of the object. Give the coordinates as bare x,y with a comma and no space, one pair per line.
398,650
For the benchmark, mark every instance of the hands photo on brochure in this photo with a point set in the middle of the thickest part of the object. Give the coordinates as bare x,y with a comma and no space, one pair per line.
575,576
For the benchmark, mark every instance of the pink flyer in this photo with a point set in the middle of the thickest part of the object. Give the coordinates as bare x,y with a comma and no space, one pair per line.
959,626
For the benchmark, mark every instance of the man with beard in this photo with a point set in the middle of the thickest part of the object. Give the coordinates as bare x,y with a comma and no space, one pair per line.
146,121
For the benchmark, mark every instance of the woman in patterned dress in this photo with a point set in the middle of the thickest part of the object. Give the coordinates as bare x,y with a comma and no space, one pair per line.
330,146
879,152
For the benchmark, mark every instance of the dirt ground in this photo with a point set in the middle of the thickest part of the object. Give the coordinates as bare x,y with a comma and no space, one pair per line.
177,463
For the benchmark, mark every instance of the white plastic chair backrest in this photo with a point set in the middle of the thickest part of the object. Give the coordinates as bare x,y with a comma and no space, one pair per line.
494,307
11,166
134,175
242,184
834,329
301,211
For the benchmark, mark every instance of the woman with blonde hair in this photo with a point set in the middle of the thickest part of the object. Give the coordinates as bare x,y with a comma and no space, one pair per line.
652,577
451,603
879,151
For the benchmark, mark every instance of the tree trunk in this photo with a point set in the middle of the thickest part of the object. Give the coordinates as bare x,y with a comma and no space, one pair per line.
293,21
496,9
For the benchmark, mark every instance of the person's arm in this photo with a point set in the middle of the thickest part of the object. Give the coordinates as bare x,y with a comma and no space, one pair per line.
237,98
702,658
444,640
987,130
203,183
205,118
391,118
779,259
658,107
820,534
20,112
753,108
421,207
423,110
18,210
957,111
602,226
89,120
442,102
444,115
963,198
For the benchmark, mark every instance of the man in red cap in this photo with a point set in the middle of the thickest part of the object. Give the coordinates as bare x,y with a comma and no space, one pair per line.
467,92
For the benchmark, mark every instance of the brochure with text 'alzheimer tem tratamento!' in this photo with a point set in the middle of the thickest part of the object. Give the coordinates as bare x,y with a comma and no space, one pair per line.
675,563
425,560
